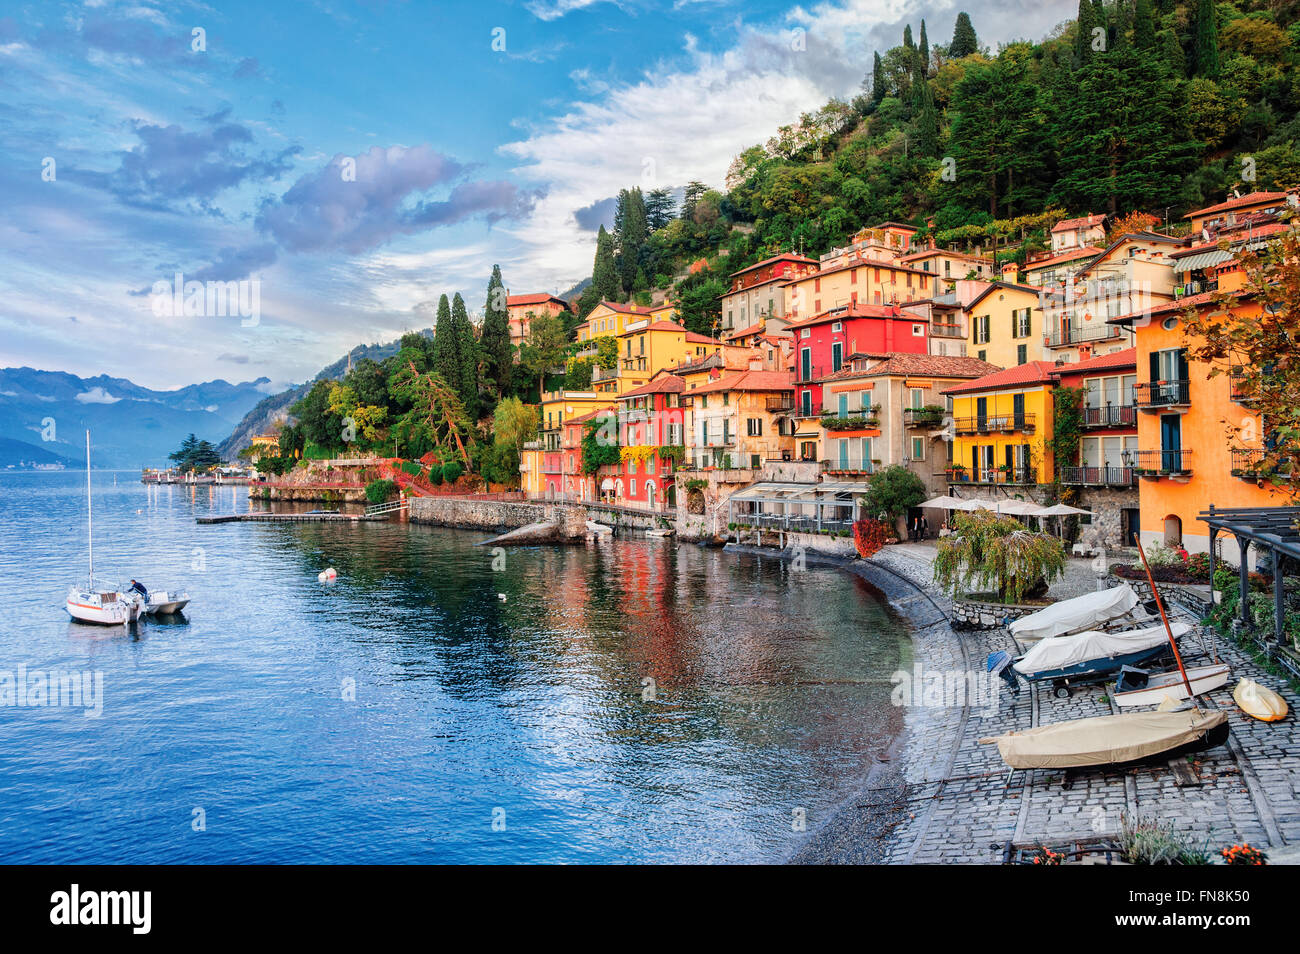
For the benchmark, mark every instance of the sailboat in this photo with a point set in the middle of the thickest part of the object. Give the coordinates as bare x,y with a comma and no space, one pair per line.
93,603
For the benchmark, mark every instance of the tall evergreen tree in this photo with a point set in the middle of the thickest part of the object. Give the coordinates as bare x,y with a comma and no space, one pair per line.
907,38
446,344
877,79
466,380
604,277
1086,21
498,353
630,233
1144,27
660,207
1205,46
964,41
925,50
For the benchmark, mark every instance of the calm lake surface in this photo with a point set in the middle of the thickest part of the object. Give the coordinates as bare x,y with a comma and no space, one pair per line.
480,730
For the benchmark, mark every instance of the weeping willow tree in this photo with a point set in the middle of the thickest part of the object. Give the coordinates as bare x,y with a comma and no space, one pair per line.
991,554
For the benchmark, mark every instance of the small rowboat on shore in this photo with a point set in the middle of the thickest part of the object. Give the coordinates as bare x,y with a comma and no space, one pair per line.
1259,701
1137,688
1113,740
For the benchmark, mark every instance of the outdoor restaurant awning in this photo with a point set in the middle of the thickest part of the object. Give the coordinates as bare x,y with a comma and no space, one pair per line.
607,484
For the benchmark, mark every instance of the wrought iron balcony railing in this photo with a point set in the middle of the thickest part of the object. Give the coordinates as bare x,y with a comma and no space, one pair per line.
1112,415
1158,463
996,423
1158,394
1099,476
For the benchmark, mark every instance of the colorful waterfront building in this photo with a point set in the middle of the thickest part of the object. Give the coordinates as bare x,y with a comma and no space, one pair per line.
1102,474
1055,269
577,484
652,445
741,420
756,295
890,410
1002,426
610,318
1081,232
1006,325
647,346
522,309
858,281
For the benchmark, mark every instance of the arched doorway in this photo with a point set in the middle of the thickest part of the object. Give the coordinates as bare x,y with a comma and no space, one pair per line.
650,494
1173,531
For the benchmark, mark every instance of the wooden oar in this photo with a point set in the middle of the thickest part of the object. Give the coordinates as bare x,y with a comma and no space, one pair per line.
1160,605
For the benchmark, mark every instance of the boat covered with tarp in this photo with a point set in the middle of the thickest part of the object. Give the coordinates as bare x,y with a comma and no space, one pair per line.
1113,740
1095,653
1090,611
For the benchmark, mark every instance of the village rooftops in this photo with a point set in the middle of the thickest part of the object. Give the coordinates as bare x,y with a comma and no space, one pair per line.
1022,375
1010,286
1115,361
914,365
662,384
854,309
862,263
1254,198
1156,237
1069,255
1086,222
748,381
541,298
1178,305
783,257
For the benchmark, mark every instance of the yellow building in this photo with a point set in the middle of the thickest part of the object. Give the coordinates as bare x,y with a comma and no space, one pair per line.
1002,425
861,281
1006,325
610,318
646,346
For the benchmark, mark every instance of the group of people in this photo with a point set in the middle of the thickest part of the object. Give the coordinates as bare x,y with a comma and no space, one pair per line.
917,528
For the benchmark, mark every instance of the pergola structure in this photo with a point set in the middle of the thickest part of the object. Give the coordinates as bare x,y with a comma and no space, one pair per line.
801,508
1272,530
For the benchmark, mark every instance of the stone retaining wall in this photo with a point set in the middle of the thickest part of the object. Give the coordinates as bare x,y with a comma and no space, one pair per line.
978,614
494,515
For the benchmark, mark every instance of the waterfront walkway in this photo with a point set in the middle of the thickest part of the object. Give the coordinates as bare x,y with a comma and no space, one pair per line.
961,809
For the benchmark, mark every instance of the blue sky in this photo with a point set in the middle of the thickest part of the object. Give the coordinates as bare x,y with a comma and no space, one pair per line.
478,133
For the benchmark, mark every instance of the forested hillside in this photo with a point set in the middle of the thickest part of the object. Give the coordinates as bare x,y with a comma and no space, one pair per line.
1149,105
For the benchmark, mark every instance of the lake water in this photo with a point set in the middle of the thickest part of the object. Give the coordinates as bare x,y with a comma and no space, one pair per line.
405,713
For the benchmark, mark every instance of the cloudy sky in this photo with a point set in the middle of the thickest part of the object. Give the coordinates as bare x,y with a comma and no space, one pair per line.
356,160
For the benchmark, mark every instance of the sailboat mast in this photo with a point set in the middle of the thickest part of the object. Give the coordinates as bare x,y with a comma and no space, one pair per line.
90,524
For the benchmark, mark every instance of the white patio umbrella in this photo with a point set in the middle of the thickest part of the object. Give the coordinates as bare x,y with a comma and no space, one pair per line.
944,502
1060,511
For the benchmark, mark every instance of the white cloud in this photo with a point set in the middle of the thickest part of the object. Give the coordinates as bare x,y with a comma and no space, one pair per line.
97,395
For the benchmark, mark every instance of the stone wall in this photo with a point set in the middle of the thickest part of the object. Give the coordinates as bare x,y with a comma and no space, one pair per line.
812,543
710,522
493,515
977,614
1106,504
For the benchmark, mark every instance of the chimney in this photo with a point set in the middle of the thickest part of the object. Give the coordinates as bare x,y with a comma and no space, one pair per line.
756,362
1009,270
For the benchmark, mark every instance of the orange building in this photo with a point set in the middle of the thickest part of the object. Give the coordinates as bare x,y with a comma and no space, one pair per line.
522,309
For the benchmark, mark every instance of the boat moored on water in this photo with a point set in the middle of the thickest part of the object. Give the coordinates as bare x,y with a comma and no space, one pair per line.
165,602
108,606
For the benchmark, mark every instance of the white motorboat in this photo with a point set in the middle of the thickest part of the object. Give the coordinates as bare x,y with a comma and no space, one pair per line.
598,528
95,602
1136,688
165,602
659,533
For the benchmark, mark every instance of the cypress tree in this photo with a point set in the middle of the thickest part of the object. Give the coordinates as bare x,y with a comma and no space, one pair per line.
925,51
1086,21
964,41
907,38
877,79
446,346
1144,27
630,232
604,278
466,380
498,353
1171,50
1205,49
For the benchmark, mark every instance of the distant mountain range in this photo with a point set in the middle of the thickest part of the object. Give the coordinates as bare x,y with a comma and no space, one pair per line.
276,406
131,426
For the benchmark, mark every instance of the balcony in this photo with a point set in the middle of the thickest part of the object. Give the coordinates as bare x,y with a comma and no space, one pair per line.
1160,395
814,410
994,475
813,373
856,421
1160,463
1112,415
604,374
848,464
1248,463
1023,423
1099,476
1194,288
939,329
1237,379
922,416
782,403
1066,337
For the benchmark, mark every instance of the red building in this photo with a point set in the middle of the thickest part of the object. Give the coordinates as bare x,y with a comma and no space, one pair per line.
824,343
1109,432
576,485
650,420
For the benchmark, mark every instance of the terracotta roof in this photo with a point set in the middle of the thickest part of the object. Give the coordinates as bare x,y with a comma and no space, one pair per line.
1086,222
1034,290
751,330
625,309
852,310
1261,231
662,325
927,365
1178,305
1083,251
1254,198
662,384
537,299
603,412
1032,372
931,252
1136,236
1127,358
749,381
783,257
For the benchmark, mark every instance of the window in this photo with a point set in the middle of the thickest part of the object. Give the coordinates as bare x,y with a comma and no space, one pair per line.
726,398
837,356
704,401
631,488
981,329
918,448
837,326
754,426
805,332
915,397
1022,354
650,464
982,355
755,461
1021,322
918,331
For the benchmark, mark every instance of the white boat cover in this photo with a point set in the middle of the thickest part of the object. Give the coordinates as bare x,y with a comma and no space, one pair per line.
1064,651
1067,616
1105,740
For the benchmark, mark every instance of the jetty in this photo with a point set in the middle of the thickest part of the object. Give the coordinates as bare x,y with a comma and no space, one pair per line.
377,512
